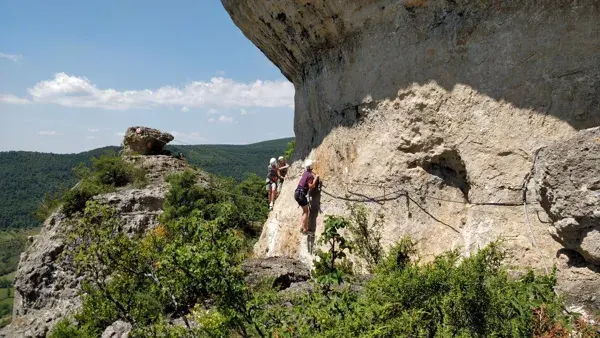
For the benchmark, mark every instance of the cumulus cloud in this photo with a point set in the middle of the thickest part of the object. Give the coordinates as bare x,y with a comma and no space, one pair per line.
79,92
243,112
11,57
212,111
185,109
92,130
91,137
13,99
221,119
48,133
225,119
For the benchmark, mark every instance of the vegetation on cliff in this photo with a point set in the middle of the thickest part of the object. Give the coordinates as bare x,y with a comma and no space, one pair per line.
184,278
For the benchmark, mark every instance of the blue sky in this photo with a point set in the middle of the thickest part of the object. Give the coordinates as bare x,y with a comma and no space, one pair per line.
75,74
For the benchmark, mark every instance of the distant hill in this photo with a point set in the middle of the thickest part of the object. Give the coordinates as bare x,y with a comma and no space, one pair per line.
26,176
233,160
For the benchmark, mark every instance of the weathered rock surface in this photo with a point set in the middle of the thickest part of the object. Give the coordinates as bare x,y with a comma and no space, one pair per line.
283,271
45,288
118,329
429,112
568,184
145,141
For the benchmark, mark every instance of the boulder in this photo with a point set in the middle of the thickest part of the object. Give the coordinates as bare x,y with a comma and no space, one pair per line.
568,185
145,141
118,329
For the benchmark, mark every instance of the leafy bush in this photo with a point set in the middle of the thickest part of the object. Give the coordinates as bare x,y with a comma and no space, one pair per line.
193,258
106,174
331,265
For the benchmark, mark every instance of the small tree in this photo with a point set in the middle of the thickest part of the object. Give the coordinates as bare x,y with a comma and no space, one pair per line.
331,265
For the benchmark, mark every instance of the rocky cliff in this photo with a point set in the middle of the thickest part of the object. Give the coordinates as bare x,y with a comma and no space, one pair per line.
432,111
46,289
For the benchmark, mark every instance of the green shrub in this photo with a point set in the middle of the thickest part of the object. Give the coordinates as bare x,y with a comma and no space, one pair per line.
106,174
114,171
74,200
331,265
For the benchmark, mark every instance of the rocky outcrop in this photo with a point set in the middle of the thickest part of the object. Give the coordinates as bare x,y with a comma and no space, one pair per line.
46,289
568,184
145,141
429,112
283,271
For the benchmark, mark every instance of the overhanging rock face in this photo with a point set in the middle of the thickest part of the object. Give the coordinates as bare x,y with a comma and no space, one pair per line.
429,112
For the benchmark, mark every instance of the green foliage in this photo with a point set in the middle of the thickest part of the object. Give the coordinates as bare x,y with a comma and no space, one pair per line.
193,258
26,176
289,152
107,173
234,161
448,297
366,237
331,265
113,171
66,328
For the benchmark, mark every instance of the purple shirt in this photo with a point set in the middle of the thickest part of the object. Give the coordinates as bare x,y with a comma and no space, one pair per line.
306,179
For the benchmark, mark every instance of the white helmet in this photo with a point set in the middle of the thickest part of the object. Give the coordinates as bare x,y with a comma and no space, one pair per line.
273,161
308,164
280,158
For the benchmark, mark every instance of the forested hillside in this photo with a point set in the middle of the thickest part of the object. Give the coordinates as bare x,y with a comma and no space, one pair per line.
233,160
26,176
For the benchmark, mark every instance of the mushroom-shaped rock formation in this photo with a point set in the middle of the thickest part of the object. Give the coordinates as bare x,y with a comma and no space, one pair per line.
145,141
429,112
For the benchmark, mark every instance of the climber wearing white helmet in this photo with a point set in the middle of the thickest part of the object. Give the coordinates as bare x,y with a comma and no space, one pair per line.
308,182
282,167
272,180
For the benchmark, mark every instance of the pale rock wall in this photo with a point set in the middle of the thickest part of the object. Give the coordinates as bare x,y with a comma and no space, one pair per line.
442,102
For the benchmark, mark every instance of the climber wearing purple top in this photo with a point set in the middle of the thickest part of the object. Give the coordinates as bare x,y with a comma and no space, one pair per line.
308,182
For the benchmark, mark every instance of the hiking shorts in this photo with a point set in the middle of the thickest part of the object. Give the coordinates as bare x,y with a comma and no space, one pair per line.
271,185
300,197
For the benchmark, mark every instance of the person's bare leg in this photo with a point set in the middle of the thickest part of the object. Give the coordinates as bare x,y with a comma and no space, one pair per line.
305,218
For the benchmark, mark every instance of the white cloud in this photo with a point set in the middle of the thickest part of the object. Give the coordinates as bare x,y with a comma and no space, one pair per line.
72,91
243,112
188,137
11,57
93,130
120,134
48,133
13,99
221,119
212,111
220,73
185,109
91,137
225,119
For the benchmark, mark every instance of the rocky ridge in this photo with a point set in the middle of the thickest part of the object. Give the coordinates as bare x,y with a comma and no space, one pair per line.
432,112
45,288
